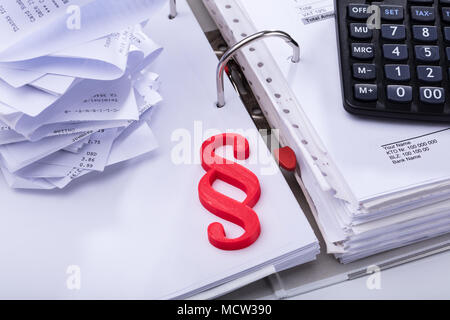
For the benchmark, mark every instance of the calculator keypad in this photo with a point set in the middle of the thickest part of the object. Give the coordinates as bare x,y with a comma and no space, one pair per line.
395,57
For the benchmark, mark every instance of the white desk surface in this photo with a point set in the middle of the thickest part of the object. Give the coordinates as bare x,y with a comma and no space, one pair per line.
428,278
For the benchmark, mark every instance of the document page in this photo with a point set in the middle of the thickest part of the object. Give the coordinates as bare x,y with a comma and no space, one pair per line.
375,156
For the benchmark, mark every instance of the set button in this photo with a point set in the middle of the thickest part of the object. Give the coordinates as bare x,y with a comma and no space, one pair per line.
392,13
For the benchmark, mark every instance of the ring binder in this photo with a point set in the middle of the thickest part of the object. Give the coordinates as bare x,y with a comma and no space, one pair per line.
173,9
243,43
279,89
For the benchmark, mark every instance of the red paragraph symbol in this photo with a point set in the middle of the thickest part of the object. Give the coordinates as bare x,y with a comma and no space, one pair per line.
239,213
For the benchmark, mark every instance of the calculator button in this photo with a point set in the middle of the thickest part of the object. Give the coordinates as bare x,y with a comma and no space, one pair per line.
432,95
423,14
366,92
363,50
358,11
363,71
448,53
393,32
447,34
391,13
446,14
395,51
402,94
427,53
429,73
396,72
360,31
425,33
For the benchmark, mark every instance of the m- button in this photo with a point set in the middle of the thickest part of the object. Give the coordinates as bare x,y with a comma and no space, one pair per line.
363,71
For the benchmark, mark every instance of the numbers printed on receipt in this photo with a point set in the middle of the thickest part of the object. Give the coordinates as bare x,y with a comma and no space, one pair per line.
18,14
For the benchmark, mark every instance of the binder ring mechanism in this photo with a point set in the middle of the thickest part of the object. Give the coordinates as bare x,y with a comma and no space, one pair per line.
173,9
243,43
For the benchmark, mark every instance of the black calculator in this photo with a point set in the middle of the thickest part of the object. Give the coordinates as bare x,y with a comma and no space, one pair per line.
395,58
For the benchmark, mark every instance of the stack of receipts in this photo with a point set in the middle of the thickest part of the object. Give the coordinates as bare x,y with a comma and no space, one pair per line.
76,88
374,184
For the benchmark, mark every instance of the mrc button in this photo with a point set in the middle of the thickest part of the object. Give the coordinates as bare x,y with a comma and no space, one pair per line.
363,51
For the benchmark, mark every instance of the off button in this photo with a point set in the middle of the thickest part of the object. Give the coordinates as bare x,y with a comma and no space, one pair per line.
358,11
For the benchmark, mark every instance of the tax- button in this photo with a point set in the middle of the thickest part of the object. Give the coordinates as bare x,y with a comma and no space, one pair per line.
366,92
363,51
423,14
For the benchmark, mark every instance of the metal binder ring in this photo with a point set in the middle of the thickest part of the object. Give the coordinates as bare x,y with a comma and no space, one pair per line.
173,9
244,42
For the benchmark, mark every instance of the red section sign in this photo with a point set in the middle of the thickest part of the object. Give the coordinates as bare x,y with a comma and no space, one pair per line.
239,213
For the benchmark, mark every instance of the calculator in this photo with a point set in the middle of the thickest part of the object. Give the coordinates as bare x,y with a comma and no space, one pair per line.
395,58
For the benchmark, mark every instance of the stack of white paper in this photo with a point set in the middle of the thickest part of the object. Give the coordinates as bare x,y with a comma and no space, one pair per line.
75,88
140,231
374,184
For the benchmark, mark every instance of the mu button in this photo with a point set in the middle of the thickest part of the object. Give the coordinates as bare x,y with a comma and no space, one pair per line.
360,31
